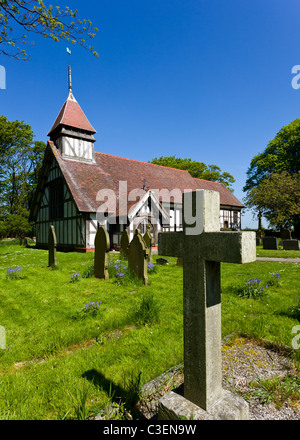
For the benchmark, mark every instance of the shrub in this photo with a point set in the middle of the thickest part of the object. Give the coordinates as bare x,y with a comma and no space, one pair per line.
253,289
274,281
92,308
75,277
89,272
15,273
151,268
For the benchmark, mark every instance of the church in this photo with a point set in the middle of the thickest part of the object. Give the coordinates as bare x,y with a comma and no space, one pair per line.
80,189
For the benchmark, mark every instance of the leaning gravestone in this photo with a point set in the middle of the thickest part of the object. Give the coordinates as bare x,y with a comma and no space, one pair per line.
290,245
124,244
270,243
202,253
149,240
52,243
138,257
102,246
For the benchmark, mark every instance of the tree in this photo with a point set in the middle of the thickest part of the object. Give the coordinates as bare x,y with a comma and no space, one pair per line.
196,169
277,199
281,154
18,18
20,160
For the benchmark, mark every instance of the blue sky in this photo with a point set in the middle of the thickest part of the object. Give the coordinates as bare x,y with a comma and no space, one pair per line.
206,79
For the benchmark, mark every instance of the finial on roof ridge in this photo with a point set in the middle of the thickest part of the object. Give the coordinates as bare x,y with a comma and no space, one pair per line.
70,96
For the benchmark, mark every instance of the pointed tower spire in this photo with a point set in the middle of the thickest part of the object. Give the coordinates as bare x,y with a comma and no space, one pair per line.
71,132
70,80
70,76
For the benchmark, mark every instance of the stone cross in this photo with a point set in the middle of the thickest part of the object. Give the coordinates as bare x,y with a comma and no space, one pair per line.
124,244
149,240
202,254
52,243
138,257
102,246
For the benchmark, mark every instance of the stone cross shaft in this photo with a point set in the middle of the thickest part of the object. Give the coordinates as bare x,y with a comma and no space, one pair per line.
202,254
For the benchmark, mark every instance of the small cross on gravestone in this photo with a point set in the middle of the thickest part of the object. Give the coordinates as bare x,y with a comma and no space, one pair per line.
149,240
138,257
102,246
52,243
202,248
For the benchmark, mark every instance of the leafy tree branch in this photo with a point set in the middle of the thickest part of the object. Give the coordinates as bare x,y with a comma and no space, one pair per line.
198,170
18,18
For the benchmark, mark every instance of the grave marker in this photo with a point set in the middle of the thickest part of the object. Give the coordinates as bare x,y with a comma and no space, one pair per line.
138,257
162,261
52,243
149,240
290,245
285,234
102,246
202,255
124,244
270,243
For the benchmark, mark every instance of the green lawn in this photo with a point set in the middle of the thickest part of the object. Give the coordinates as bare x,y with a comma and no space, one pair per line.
279,253
56,352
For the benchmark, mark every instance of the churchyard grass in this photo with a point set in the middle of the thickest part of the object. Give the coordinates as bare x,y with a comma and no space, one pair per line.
278,253
75,348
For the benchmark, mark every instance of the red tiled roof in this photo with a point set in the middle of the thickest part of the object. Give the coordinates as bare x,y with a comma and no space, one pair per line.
72,115
226,196
85,180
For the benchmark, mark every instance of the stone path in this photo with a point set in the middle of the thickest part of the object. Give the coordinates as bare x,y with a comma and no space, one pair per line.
279,260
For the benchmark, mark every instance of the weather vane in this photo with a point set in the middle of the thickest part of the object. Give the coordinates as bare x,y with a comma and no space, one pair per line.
69,52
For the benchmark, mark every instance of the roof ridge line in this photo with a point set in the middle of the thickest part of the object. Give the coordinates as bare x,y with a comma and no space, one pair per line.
141,161
211,181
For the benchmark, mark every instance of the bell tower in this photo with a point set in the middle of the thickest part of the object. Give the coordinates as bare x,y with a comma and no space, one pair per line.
71,132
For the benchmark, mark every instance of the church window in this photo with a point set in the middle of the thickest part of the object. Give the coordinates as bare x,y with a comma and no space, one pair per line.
56,199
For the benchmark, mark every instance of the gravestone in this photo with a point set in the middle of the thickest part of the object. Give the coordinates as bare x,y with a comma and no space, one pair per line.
270,243
138,257
162,261
124,244
102,246
202,254
149,240
290,245
285,234
52,243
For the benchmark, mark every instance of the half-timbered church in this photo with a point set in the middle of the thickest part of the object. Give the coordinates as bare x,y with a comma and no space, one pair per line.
80,188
